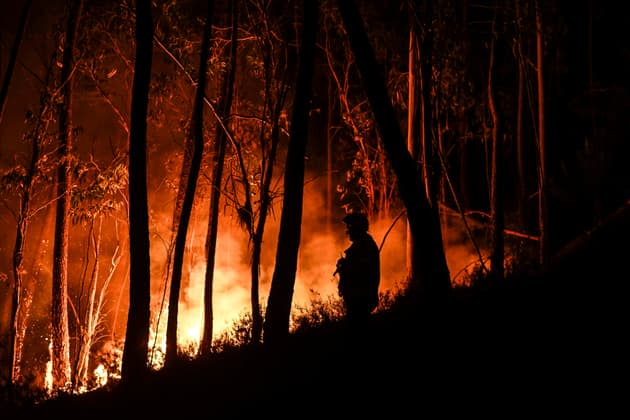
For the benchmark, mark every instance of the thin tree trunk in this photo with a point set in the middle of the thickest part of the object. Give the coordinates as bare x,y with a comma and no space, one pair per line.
496,177
89,322
94,310
431,277
463,118
267,166
15,348
520,97
265,203
215,195
542,160
414,110
134,361
430,163
192,176
61,370
277,315
329,158
176,220
14,355
35,135
429,147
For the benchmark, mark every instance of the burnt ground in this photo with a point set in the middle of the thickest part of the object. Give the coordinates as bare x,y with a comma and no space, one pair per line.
549,345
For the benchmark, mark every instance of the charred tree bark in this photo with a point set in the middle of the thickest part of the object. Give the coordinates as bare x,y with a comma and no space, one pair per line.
8,75
265,203
277,315
267,165
429,148
414,107
464,183
190,174
520,101
36,136
430,277
191,186
542,165
134,361
330,189
496,177
59,329
215,196
15,347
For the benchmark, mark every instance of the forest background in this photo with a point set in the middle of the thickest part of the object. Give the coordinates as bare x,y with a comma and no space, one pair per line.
520,139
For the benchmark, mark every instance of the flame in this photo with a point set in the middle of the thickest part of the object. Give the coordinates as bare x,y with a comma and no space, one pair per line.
319,250
48,377
100,375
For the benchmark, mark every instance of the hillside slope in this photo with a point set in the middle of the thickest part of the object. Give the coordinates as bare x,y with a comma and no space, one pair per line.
542,345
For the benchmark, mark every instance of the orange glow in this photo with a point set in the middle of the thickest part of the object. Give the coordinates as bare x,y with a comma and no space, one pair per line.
319,251
321,245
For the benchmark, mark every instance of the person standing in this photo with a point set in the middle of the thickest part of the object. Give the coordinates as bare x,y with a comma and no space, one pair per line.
359,271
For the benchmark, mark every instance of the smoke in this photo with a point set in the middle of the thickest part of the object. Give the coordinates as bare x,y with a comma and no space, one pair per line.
322,243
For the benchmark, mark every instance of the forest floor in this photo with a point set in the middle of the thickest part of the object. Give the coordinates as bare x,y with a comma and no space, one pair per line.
547,345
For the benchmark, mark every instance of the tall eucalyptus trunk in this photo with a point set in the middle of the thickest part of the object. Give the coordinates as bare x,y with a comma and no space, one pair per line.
431,279
414,107
134,360
278,312
191,186
225,106
59,320
496,176
542,159
521,196
15,333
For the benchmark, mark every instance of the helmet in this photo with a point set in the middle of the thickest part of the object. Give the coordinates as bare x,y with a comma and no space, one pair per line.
356,220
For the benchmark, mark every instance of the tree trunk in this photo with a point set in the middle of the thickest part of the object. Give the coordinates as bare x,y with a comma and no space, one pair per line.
14,355
215,196
276,107
520,98
463,124
431,277
430,162
8,75
267,163
265,203
134,363
414,108
89,322
95,305
15,334
60,336
265,198
278,311
191,186
496,176
329,158
429,144
542,165
36,134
